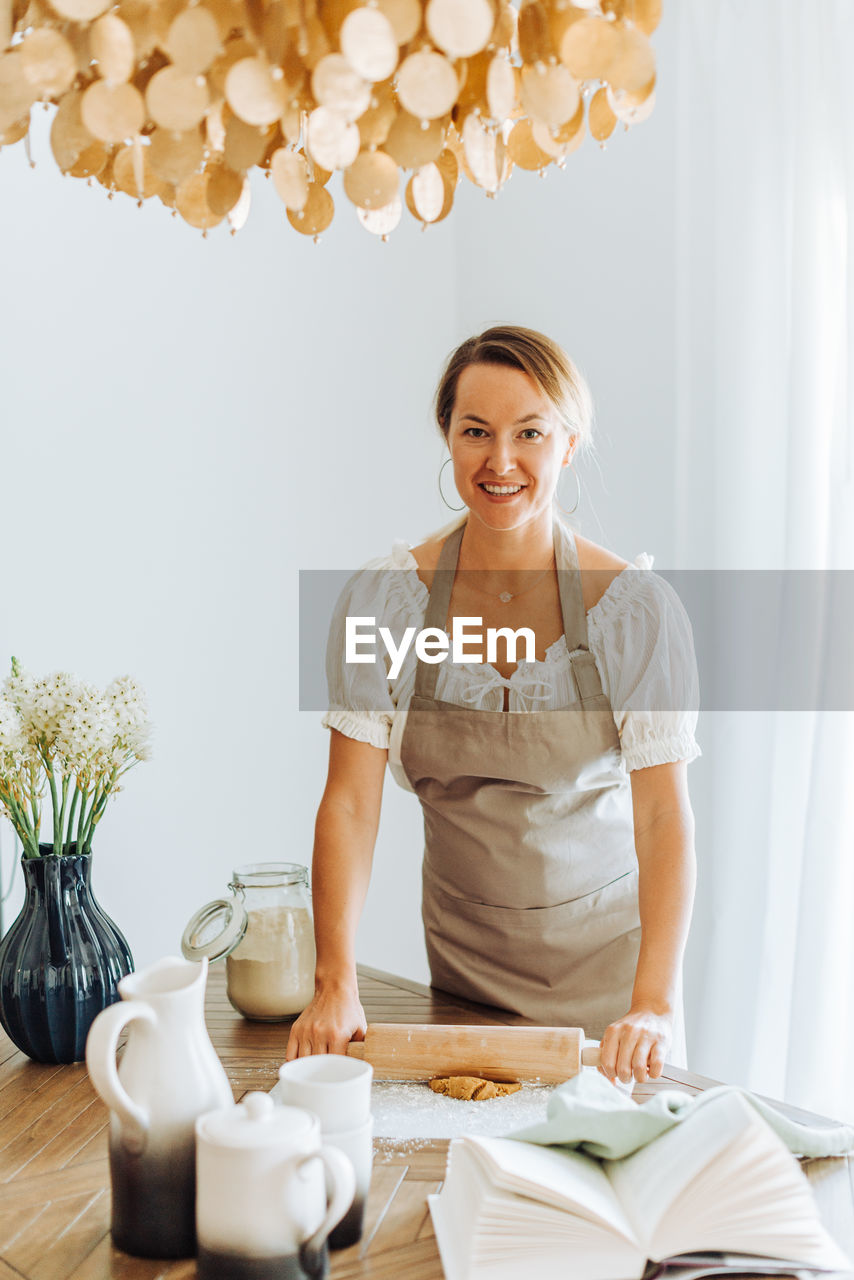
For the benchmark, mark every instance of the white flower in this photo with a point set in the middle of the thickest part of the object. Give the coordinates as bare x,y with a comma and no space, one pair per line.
84,731
42,703
11,734
127,705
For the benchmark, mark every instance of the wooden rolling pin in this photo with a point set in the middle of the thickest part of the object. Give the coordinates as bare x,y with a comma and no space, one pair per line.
420,1051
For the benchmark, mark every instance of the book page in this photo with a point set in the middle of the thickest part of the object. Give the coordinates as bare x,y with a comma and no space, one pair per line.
555,1176
648,1182
722,1180
754,1199
535,1240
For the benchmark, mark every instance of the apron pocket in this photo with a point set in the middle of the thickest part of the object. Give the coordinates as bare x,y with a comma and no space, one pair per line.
572,964
609,897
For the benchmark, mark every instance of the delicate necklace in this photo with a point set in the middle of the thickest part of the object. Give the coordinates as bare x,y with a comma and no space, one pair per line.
506,596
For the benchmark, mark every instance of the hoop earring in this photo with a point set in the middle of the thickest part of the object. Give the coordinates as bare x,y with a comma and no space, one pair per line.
571,510
441,494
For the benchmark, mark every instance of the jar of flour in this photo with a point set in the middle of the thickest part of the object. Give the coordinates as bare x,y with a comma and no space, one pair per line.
266,934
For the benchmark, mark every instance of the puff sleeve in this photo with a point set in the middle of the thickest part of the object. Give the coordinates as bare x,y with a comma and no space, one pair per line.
641,636
360,700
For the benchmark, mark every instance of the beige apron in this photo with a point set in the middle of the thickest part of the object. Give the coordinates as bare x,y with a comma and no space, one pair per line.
530,881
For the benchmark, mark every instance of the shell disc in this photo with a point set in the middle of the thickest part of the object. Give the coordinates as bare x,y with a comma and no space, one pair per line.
559,142
336,84
290,177
316,214
375,123
411,146
427,85
535,36
17,94
193,40
81,10
111,45
176,101
332,141
380,222
225,187
644,14
112,113
133,174
484,153
632,108
550,93
588,48
600,118
506,26
90,162
523,150
460,28
255,91
369,44
15,132
501,87
191,201
372,180
633,64
139,18
449,170
238,215
245,144
174,156
48,61
404,17
428,192
69,136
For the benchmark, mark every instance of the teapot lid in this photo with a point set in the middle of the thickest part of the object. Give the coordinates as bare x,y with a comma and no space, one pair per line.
215,929
255,1122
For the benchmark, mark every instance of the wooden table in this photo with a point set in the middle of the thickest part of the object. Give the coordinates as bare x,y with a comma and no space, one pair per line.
54,1176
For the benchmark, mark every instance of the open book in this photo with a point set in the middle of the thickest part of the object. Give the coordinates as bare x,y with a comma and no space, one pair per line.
717,1185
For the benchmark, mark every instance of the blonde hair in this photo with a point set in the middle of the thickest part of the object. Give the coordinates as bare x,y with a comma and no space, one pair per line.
546,364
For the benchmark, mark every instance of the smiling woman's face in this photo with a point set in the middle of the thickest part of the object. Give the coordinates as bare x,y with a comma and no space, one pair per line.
508,446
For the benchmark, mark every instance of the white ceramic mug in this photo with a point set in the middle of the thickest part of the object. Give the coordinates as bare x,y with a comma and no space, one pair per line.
262,1204
336,1088
357,1145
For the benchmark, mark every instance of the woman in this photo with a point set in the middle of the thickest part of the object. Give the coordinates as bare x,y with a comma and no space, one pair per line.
558,870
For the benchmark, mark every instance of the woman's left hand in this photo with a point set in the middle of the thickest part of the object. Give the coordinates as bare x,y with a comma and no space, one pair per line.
636,1045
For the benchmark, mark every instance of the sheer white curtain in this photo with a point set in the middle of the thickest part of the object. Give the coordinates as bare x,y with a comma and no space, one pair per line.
765,457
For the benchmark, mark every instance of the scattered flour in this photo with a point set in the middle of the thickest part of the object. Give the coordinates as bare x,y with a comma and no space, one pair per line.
409,1109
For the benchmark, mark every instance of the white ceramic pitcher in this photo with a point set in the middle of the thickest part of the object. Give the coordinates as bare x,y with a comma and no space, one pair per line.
264,1207
169,1074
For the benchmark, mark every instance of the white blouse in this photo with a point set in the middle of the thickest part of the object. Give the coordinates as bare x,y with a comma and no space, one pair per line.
638,632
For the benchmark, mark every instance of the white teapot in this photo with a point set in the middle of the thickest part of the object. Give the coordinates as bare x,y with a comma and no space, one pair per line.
262,1208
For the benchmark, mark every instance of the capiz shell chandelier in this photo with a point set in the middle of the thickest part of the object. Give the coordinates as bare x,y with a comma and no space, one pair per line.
177,100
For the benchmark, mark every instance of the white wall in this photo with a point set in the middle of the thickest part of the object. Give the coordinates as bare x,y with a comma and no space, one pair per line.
186,423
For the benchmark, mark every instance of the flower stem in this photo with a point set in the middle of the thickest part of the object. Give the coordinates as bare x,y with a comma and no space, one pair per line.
65,781
98,806
57,834
81,819
70,827
18,815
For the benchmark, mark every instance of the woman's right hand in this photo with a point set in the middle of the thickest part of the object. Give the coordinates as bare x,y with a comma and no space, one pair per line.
334,1018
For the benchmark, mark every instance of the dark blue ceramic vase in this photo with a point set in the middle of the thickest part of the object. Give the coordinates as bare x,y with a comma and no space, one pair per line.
61,960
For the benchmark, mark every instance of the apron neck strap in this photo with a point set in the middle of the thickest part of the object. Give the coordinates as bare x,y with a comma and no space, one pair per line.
436,613
569,587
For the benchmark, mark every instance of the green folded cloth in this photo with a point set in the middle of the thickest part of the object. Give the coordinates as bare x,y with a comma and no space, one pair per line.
590,1113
